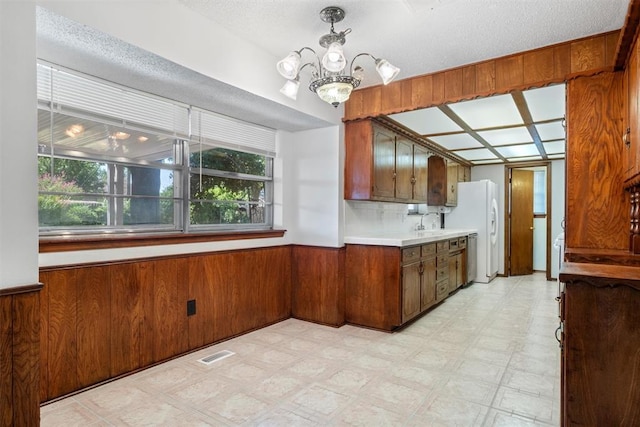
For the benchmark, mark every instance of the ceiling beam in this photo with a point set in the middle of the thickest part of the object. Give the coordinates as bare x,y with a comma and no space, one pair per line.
523,108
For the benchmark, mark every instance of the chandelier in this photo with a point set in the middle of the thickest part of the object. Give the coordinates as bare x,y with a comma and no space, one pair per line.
328,77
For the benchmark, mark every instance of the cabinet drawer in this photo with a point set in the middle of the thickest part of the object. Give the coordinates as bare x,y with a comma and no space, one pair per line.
442,273
428,250
442,246
453,244
462,242
411,254
442,261
442,289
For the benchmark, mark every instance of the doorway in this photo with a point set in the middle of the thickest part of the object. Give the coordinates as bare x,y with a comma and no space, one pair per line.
528,213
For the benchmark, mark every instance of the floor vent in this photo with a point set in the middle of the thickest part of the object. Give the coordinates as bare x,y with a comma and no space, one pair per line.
216,357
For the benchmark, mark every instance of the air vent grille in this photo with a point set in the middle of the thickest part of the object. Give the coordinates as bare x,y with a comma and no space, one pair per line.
208,360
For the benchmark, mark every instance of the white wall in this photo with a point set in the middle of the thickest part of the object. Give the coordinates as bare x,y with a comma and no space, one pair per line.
18,166
540,244
313,185
557,208
496,173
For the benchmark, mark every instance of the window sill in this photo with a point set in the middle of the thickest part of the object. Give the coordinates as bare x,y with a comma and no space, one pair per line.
80,243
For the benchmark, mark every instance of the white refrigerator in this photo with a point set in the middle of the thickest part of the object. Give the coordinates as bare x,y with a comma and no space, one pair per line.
478,208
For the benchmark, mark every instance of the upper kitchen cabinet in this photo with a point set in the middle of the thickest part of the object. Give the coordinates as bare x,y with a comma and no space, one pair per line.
632,127
443,182
383,165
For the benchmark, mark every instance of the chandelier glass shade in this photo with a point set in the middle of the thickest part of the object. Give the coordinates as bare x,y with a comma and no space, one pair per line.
329,78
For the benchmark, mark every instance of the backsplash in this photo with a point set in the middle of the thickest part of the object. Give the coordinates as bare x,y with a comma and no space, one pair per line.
365,217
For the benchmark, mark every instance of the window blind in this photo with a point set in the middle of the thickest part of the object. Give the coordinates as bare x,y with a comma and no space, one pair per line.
69,93
216,129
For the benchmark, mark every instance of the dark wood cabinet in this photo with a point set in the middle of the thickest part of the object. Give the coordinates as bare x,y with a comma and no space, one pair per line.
600,340
443,182
388,286
383,165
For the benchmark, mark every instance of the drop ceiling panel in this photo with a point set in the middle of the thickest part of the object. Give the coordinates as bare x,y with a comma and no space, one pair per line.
556,156
554,147
546,103
518,150
427,121
506,136
487,162
478,154
488,112
550,131
456,142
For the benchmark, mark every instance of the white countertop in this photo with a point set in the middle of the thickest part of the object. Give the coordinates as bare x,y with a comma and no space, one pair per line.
409,238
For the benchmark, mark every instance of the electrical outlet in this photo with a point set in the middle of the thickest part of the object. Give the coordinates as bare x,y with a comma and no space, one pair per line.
191,307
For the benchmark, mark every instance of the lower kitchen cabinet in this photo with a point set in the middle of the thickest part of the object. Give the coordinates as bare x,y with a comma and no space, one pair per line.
600,338
388,286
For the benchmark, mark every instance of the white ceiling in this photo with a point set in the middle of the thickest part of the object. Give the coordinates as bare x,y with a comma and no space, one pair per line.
418,36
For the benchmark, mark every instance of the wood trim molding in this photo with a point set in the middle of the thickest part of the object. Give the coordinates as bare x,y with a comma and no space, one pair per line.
20,289
601,275
79,243
627,35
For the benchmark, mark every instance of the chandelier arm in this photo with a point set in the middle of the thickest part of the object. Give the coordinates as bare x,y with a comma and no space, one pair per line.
354,60
308,63
318,67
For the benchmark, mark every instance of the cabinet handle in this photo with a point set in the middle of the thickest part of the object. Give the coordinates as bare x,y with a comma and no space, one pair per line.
556,334
625,138
394,175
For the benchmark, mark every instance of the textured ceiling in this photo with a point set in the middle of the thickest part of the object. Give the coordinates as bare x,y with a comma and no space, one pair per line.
419,36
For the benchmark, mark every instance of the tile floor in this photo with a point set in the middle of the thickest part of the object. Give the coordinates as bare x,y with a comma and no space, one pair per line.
486,356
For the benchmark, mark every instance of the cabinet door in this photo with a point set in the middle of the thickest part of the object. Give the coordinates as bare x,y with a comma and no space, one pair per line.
464,173
634,128
384,152
410,291
404,169
428,290
452,184
453,273
420,171
437,173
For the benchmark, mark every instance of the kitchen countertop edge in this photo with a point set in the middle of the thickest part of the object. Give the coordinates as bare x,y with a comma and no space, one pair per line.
402,239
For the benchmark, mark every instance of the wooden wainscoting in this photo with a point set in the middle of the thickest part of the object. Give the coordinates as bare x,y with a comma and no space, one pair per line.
19,363
102,321
318,284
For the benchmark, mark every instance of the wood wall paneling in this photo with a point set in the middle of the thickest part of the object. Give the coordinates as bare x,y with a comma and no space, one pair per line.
318,285
588,54
277,276
44,337
421,92
145,272
126,317
93,325
6,361
597,206
485,77
63,354
534,68
26,363
391,96
169,308
509,72
202,324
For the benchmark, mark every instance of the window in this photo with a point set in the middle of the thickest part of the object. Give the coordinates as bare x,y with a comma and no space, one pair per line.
539,192
114,160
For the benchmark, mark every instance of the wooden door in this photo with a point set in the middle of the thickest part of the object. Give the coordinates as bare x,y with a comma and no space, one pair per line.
420,173
410,291
632,111
521,247
384,147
